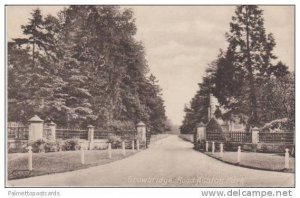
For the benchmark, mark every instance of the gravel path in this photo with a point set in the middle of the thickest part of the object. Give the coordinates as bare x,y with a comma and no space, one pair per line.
169,162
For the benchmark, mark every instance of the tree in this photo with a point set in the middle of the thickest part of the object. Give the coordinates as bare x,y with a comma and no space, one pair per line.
91,68
250,51
35,83
244,78
277,97
197,111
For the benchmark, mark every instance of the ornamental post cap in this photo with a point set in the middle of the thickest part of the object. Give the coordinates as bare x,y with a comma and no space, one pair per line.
140,124
52,123
201,124
36,118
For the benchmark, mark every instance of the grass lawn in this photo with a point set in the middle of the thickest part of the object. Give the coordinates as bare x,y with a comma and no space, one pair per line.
56,162
265,161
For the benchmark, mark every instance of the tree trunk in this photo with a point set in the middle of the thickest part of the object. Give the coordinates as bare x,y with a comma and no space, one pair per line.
253,102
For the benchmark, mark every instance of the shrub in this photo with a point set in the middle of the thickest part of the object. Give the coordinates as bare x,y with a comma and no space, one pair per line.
51,146
71,145
115,141
60,144
38,146
201,145
17,147
231,146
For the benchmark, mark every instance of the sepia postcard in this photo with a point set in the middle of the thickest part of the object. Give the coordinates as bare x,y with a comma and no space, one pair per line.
150,96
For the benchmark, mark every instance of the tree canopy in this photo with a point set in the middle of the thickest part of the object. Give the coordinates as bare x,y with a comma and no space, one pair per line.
82,67
245,78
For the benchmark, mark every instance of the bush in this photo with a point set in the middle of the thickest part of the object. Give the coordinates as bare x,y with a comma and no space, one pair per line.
201,145
71,145
17,147
38,146
51,146
115,141
231,146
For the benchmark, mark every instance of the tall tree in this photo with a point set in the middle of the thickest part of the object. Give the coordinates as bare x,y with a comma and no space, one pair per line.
87,68
38,81
252,54
197,110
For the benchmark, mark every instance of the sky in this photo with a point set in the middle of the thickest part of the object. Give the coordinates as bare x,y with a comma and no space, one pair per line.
180,41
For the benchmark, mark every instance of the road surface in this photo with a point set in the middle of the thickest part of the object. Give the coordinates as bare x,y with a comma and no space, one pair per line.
169,162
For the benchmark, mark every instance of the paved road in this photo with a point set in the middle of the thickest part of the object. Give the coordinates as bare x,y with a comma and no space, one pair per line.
169,162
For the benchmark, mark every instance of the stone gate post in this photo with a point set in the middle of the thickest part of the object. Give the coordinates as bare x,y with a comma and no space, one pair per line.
255,135
199,134
141,133
52,127
35,128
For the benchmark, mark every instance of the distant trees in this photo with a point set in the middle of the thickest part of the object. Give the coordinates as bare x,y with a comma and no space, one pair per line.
83,66
197,111
244,77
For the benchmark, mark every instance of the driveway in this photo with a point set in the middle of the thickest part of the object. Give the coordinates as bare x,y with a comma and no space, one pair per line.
168,162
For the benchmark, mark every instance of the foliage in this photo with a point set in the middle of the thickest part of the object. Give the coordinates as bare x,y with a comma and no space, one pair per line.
115,140
197,111
51,146
71,144
43,145
38,146
277,99
244,78
277,125
118,125
249,60
83,67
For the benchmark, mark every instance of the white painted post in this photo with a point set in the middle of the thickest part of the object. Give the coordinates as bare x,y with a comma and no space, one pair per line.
239,154
206,146
213,148
221,150
132,145
82,155
29,158
287,159
109,150
137,145
123,148
91,136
